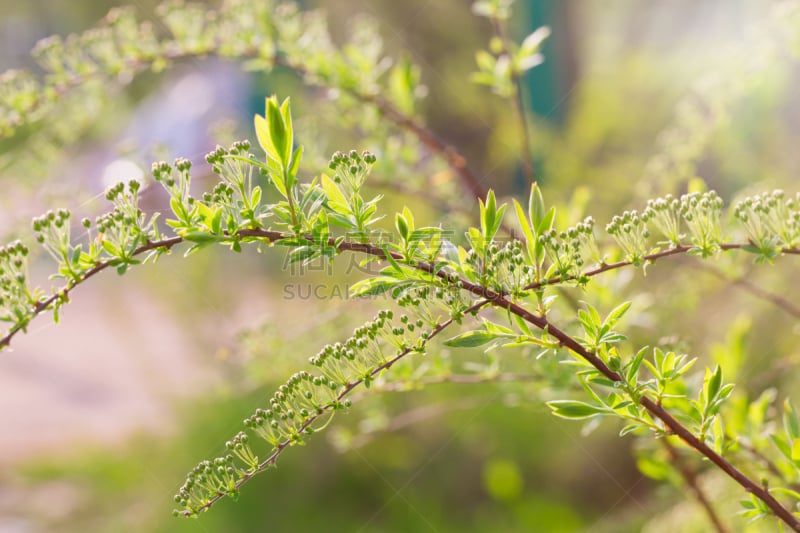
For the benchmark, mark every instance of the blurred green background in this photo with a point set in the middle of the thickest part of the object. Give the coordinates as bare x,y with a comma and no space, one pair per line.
103,414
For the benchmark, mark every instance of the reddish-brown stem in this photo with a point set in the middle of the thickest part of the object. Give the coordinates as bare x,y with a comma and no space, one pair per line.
430,140
670,423
43,305
650,258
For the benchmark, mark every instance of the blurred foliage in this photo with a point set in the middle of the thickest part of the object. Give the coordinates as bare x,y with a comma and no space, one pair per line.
484,461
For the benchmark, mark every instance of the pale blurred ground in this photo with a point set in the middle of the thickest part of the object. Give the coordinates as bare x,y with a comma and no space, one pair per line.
115,363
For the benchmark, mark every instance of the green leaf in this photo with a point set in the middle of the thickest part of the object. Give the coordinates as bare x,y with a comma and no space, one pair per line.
630,428
634,365
200,237
497,329
178,208
294,166
653,468
796,450
336,199
216,220
546,224
255,196
713,383
111,248
488,214
264,138
286,114
789,492
575,410
470,339
617,313
535,206
532,42
372,286
782,445
402,82
402,226
485,60
277,131
530,240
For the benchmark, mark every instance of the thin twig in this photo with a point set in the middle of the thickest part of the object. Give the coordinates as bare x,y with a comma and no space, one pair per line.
526,158
768,463
461,379
690,477
743,283
280,448
454,159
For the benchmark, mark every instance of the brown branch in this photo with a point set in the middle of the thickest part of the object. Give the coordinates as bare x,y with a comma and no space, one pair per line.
690,477
670,422
650,258
43,305
768,464
430,140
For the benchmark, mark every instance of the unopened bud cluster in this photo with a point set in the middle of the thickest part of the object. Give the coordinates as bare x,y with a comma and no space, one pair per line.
630,231
16,300
428,304
237,195
53,233
571,250
771,220
352,168
665,216
702,212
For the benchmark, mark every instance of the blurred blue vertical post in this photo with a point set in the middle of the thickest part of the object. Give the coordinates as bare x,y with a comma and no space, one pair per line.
546,87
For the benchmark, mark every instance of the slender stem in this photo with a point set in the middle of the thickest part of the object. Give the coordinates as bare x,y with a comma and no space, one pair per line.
461,379
768,463
650,258
743,283
447,152
690,477
43,305
280,448
519,104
